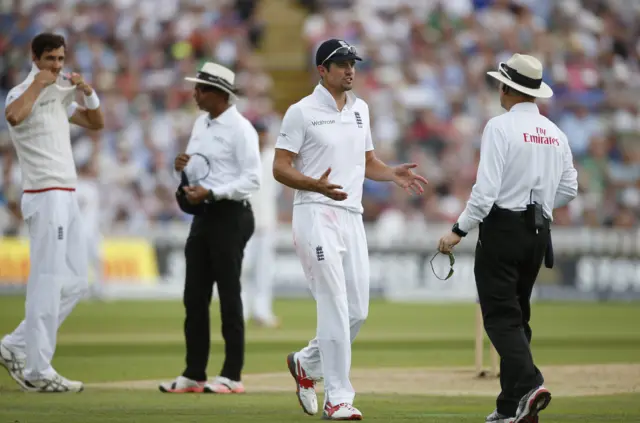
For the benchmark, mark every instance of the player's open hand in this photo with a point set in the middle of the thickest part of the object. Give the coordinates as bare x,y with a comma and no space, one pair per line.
404,177
196,194
77,80
328,189
181,162
45,77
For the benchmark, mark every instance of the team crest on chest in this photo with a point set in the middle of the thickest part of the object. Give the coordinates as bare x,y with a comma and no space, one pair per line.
358,119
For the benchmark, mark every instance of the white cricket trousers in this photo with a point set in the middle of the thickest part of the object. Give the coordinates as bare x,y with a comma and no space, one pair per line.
259,262
332,246
57,276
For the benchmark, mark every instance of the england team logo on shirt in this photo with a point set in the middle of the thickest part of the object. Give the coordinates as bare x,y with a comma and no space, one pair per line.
358,119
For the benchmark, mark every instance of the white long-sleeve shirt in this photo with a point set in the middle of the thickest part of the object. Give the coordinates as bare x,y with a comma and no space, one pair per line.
42,141
230,142
523,155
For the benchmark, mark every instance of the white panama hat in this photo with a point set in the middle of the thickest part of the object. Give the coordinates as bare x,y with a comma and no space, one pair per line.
523,73
217,76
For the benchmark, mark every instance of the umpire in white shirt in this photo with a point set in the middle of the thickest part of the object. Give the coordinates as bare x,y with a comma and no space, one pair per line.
526,170
222,225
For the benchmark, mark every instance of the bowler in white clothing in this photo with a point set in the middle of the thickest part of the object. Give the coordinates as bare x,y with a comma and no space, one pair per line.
38,112
526,170
324,151
260,252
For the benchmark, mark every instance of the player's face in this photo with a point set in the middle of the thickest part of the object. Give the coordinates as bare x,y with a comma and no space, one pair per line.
201,96
340,75
52,60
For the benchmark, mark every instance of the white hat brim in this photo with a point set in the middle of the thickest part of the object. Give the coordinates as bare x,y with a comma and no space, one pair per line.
202,81
544,91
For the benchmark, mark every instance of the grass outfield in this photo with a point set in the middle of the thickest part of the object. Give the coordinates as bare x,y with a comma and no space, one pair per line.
431,348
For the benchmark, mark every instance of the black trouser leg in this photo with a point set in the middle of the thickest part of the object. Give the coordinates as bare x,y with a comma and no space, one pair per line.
228,253
528,275
197,299
498,270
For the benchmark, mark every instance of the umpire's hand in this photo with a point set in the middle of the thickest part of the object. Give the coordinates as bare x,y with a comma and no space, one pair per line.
180,162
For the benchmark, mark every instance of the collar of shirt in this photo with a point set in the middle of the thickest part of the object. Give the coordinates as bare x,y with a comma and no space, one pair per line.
32,73
324,97
525,107
225,118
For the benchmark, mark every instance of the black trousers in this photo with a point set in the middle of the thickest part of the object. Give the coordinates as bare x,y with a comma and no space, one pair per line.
508,258
214,252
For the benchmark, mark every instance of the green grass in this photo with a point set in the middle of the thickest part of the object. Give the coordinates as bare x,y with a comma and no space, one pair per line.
143,340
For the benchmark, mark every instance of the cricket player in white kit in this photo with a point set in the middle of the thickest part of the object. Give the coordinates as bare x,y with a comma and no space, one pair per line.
38,112
260,252
324,151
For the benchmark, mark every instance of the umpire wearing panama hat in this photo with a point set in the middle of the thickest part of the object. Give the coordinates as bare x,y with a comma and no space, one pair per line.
526,170
222,225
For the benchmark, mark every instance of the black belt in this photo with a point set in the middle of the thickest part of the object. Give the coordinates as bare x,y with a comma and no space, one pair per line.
225,204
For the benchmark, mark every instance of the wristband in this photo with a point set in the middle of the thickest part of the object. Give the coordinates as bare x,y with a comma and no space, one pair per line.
92,102
456,230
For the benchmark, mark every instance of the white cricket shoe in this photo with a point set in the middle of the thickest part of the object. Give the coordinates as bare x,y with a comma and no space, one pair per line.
496,417
14,363
182,385
531,404
342,411
224,385
305,386
55,383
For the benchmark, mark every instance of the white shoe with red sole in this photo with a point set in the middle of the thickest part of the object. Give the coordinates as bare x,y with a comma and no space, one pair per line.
342,412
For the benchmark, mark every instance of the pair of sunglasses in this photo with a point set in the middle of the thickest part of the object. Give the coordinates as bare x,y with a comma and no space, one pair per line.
341,51
452,260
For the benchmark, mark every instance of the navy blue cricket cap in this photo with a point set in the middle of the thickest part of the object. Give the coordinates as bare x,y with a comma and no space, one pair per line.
336,50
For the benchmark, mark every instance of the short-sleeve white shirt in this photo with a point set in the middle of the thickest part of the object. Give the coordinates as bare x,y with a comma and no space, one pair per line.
324,137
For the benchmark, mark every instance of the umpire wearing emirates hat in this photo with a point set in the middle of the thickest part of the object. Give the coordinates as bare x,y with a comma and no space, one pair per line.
526,170
222,225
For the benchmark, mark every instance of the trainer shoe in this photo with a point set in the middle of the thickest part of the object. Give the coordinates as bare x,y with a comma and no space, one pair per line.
496,417
531,404
182,385
224,385
342,411
55,383
305,386
14,363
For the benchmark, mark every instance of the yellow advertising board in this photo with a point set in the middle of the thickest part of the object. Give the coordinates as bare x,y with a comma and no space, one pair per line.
125,260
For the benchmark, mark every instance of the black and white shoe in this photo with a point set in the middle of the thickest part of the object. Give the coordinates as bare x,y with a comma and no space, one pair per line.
55,383
14,363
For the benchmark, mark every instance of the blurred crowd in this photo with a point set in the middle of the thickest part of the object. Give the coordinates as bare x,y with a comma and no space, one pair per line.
135,53
424,77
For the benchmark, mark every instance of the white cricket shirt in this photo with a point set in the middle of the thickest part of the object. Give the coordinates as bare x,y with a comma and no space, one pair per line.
42,141
265,201
522,153
230,142
323,136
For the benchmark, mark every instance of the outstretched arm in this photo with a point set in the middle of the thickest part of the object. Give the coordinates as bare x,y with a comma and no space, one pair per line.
401,175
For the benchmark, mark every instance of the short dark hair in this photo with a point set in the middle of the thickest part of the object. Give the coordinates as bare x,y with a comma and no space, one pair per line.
46,42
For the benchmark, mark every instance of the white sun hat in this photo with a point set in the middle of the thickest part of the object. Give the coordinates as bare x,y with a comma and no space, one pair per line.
523,73
217,76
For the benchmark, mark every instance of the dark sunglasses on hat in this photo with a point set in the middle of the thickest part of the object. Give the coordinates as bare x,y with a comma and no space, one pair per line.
341,51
